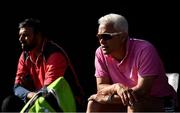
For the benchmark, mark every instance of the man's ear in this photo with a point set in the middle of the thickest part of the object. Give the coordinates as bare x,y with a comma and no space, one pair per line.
124,36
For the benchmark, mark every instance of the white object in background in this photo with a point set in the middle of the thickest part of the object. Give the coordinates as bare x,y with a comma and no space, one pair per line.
173,79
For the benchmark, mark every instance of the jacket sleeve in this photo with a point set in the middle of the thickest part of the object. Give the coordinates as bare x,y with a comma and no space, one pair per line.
19,89
21,92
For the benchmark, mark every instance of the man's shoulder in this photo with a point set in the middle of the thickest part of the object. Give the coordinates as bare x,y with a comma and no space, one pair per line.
98,50
50,45
140,42
50,48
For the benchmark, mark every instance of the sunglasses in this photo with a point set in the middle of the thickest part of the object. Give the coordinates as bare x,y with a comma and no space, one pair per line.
107,36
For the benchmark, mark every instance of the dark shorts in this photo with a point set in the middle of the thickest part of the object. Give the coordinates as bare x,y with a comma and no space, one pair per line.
169,104
154,104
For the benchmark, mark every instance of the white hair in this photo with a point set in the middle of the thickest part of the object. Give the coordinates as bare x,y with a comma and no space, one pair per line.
119,22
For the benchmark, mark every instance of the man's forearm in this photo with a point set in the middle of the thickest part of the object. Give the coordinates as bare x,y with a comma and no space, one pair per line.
102,86
21,92
143,87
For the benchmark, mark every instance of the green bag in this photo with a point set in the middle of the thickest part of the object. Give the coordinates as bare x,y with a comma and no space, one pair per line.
62,93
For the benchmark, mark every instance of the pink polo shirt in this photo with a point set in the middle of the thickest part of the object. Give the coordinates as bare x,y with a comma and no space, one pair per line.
142,60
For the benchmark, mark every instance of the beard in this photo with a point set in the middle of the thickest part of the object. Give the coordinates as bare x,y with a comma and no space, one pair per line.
27,47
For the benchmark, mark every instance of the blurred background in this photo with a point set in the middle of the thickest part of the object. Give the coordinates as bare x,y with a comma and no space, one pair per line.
73,25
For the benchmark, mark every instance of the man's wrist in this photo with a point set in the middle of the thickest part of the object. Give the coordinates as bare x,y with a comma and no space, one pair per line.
110,98
115,87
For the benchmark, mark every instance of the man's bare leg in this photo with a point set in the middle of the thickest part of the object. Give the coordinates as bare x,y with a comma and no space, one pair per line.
94,106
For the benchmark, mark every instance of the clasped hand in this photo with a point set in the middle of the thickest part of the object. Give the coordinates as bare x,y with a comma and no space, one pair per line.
124,94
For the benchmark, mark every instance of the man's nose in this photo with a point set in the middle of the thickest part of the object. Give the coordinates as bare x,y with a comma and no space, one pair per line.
102,41
21,38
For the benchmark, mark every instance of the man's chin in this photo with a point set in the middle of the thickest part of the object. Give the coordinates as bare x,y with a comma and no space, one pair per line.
26,49
106,52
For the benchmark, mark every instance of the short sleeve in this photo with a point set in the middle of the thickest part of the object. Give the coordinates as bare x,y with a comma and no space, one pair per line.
150,62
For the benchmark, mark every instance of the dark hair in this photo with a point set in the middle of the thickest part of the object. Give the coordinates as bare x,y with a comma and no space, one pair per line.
35,24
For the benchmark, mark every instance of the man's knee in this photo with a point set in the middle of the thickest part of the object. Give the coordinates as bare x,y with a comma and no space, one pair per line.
94,106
